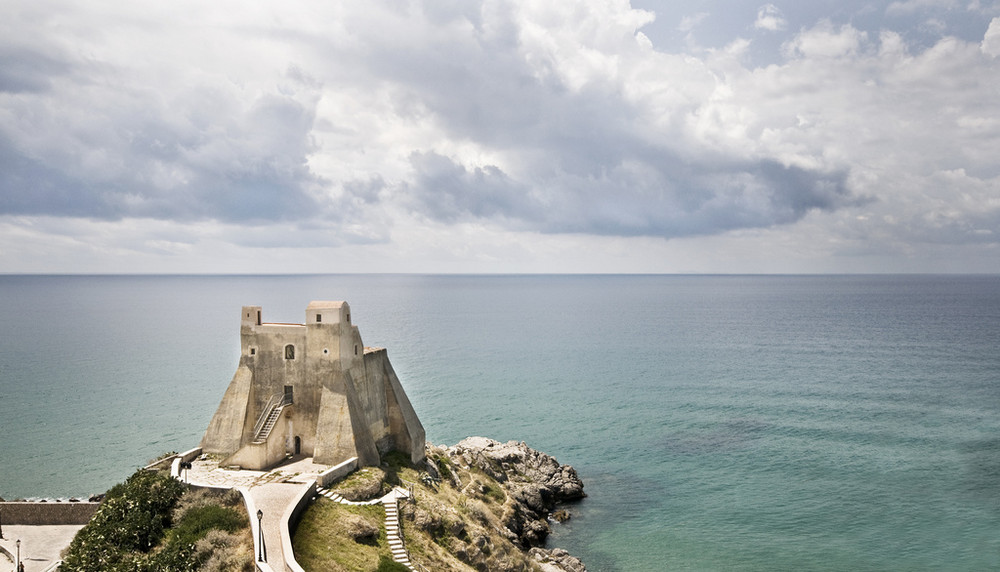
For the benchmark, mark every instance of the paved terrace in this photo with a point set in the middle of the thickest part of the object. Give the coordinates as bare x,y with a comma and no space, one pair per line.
40,545
272,492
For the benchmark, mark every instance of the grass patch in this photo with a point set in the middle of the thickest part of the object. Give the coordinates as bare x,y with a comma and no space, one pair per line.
386,564
363,484
325,539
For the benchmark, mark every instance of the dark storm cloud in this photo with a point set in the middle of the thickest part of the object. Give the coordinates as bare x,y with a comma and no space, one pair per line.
680,200
582,160
30,186
24,70
183,163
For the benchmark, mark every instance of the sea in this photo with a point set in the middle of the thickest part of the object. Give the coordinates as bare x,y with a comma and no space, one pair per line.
718,422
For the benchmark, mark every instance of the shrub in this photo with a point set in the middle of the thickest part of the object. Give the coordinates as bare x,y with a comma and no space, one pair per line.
198,521
131,530
132,518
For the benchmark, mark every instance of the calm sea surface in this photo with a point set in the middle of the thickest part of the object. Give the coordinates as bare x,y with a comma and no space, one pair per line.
719,422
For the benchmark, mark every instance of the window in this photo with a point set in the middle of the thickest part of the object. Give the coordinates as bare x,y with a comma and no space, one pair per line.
348,317
355,349
258,317
253,351
289,351
319,318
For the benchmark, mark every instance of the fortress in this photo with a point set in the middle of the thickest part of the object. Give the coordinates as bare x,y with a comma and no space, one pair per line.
311,389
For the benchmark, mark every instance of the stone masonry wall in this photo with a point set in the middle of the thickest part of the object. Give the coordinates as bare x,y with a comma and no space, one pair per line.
47,513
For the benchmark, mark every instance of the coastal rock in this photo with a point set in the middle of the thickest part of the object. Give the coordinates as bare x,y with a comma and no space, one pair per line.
535,482
557,560
517,462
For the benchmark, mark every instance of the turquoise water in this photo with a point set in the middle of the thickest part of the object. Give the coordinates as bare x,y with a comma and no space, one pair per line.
719,422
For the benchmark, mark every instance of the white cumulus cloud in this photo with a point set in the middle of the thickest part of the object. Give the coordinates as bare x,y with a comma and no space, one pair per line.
769,17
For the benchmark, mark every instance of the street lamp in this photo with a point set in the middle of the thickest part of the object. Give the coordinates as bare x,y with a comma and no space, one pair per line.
18,555
262,549
1,524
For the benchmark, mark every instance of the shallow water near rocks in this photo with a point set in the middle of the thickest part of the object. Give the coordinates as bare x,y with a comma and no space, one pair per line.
718,422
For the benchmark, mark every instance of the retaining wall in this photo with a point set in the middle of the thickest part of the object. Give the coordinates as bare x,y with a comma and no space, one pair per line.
47,513
332,475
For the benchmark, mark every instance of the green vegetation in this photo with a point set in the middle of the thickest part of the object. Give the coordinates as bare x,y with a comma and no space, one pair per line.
151,522
386,564
338,537
457,522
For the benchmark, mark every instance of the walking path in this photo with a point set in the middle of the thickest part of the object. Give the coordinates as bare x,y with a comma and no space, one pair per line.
392,531
270,491
272,499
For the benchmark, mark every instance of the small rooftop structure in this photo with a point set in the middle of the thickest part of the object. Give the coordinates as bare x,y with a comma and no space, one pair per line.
311,389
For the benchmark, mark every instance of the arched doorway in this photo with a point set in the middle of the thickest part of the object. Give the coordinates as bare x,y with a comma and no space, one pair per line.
298,445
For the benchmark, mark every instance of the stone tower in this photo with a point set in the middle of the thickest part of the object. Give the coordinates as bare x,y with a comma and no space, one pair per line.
311,389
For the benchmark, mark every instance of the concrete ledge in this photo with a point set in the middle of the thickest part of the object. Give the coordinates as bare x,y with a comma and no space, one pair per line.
161,464
333,474
290,520
254,529
185,457
47,513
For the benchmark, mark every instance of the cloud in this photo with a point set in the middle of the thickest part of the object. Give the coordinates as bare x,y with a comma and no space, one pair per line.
825,41
333,125
691,21
991,41
906,7
769,17
660,197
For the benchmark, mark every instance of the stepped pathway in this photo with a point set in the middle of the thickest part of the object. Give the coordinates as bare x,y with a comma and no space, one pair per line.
392,531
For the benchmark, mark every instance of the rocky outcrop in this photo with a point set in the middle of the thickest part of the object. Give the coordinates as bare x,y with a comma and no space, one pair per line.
556,560
534,481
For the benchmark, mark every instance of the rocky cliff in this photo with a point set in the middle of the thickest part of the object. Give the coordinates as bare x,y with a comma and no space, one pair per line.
478,505
508,492
536,482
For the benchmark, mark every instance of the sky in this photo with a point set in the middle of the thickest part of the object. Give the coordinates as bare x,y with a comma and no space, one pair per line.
501,136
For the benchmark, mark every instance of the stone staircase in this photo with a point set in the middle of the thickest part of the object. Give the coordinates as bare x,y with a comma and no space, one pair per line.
269,422
393,533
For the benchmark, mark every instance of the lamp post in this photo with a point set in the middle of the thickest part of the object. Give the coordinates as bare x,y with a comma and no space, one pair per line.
18,554
262,549
1,524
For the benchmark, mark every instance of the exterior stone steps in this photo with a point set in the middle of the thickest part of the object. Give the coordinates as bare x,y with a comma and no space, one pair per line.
393,531
265,430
